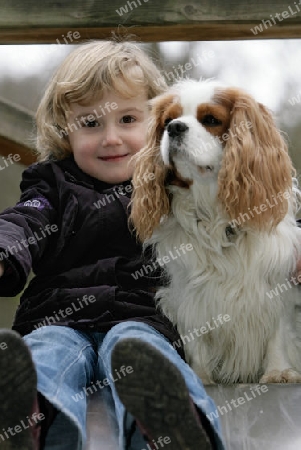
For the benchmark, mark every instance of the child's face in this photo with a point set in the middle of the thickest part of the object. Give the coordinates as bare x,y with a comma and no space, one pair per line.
109,132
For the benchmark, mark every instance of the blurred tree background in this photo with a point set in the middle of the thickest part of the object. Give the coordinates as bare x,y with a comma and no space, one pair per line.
268,69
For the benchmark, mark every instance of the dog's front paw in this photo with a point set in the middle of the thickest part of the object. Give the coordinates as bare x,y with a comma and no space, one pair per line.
278,376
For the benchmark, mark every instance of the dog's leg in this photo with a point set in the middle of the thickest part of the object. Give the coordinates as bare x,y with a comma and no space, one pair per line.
205,378
198,357
277,368
202,374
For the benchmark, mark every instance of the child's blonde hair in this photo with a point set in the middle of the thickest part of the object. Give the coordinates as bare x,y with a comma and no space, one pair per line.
83,77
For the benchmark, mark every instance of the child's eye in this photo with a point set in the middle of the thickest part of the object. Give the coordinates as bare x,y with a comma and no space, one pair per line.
92,123
128,119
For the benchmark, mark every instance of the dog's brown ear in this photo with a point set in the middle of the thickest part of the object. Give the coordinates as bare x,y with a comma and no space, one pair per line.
150,200
255,180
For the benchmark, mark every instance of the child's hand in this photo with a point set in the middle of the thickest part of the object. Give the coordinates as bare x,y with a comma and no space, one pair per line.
1,269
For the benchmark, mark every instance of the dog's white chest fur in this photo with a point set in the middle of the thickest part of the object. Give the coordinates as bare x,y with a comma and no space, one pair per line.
230,295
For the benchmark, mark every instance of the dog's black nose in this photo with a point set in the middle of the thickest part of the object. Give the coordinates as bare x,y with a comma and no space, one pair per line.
176,128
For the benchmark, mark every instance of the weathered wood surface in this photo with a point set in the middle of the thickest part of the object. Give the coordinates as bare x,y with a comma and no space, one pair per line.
32,21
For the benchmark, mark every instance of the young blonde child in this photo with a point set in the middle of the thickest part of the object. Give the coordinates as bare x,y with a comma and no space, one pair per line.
87,318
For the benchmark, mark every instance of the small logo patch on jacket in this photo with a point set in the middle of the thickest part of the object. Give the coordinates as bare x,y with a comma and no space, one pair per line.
39,203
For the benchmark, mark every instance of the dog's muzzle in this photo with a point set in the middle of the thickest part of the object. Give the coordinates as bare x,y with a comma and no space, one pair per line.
176,128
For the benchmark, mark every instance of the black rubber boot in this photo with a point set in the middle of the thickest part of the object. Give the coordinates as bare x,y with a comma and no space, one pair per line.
155,394
19,412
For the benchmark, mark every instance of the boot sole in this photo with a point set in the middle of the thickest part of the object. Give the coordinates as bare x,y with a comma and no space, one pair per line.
155,393
18,382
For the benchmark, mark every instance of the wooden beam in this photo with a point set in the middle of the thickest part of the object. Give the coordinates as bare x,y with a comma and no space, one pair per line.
33,21
8,147
16,132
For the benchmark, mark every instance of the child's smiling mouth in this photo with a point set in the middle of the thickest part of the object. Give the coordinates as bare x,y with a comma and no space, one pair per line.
113,157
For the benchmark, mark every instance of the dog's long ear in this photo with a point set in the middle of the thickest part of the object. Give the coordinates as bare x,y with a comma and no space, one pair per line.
150,200
255,180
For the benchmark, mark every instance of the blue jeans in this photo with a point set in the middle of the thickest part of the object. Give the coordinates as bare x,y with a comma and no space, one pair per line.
73,364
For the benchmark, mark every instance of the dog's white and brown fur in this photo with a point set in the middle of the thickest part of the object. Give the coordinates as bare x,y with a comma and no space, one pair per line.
223,182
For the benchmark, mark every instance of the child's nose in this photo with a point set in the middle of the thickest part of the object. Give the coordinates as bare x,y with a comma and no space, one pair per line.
111,136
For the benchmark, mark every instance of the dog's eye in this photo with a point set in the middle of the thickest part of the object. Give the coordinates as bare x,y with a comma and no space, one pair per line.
210,121
166,121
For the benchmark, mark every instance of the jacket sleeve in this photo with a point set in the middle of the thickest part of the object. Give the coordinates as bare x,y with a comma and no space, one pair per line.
27,228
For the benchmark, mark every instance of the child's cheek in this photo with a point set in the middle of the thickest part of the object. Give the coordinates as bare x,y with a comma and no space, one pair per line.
87,145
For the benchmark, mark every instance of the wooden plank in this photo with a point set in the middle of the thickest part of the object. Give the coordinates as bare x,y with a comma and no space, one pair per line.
32,21
16,133
187,32
10,147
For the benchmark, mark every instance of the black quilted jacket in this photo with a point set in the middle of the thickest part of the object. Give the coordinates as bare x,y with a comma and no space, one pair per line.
72,230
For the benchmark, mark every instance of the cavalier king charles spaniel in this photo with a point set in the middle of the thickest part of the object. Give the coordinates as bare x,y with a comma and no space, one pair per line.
223,185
